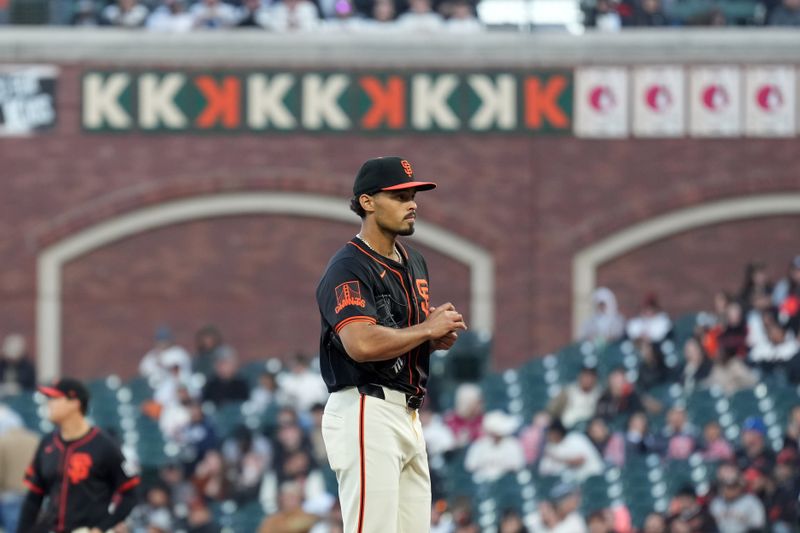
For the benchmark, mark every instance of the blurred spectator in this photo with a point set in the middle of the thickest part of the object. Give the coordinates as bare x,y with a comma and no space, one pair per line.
687,509
606,323
290,517
498,451
17,448
655,523
157,503
252,14
85,14
172,386
639,441
157,364
125,14
200,519
511,522
652,323
173,476
696,367
791,438
777,348
652,370
604,16
265,394
789,285
226,385
679,437
756,285
439,438
649,13
533,436
619,398
559,514
9,419
213,14
171,16
714,445
303,387
174,417
318,452
463,518
786,14
780,502
465,421
572,456
384,12
17,372
734,510
462,18
197,438
577,402
420,17
733,339
611,446
247,456
731,375
291,15
754,450
208,343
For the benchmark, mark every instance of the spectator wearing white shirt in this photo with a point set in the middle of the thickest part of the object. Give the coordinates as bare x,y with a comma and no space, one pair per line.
560,513
213,14
577,402
606,323
777,346
734,510
156,365
170,17
498,451
125,14
302,387
462,18
291,15
571,456
420,17
652,324
251,14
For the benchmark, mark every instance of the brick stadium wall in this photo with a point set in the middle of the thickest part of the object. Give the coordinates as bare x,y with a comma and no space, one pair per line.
532,202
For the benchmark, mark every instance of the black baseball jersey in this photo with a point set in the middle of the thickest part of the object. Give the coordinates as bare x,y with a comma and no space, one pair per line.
360,285
79,477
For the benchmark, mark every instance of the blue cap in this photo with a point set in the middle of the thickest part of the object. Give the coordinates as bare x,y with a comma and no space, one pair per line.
163,333
754,423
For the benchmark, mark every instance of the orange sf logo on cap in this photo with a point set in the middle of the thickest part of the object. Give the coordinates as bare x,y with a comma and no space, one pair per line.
407,167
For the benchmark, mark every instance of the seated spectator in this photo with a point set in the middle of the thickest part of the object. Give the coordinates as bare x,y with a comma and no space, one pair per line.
157,364
462,18
318,452
754,450
226,385
652,323
780,502
17,372
511,522
603,15
577,402
733,338
778,348
786,296
696,367
655,523
157,501
611,446
196,439
786,476
786,14
247,456
560,513
200,519
171,380
466,419
639,441
652,369
533,436
690,512
714,446
208,343
731,375
619,398
755,286
85,14
606,324
290,516
463,516
291,15
213,14
791,437
439,438
572,456
420,17
125,14
301,386
679,437
734,510
649,13
265,394
171,17
498,451
251,14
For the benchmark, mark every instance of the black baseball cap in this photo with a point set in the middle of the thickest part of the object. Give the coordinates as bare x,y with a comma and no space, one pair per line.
388,173
67,388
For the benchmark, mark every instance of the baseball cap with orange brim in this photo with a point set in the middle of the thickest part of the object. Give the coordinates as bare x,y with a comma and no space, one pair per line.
69,388
388,173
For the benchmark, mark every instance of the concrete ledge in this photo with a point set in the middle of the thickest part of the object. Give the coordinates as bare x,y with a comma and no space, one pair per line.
349,50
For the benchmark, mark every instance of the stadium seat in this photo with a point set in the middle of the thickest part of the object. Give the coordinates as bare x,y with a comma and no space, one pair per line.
26,407
495,395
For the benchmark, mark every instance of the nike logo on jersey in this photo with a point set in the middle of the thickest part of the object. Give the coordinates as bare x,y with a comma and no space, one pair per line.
383,274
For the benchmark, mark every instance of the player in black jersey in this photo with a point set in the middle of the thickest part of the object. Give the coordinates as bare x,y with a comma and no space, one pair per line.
78,468
378,330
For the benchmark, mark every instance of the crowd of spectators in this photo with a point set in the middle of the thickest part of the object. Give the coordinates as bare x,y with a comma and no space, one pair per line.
588,426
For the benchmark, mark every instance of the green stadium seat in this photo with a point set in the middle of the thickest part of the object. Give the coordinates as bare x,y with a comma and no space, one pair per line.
226,418
26,407
495,395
